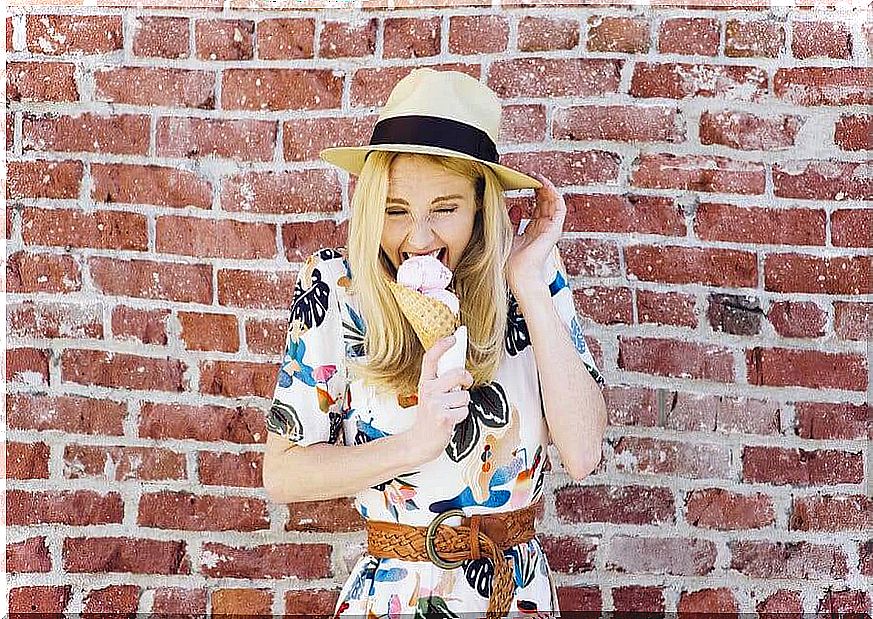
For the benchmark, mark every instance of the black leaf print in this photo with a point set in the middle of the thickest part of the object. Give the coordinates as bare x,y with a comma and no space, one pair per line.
525,561
480,575
488,406
310,305
329,254
282,419
517,337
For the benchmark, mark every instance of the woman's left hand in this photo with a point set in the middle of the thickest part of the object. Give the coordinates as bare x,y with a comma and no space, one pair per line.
531,249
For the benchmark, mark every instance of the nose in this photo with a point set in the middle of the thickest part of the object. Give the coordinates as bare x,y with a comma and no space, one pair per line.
421,236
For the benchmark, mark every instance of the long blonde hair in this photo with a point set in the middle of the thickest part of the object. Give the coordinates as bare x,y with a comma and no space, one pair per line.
393,351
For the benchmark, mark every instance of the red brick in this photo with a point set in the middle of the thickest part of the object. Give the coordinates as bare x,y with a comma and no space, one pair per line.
554,77
605,305
853,321
304,138
208,331
255,289
332,516
809,86
10,141
224,39
54,320
865,551
74,34
626,213
286,39
797,319
208,423
820,38
265,337
755,38
575,599
638,599
832,513
660,457
122,554
27,461
311,602
844,603
26,273
237,378
242,602
9,34
43,179
71,414
188,283
806,368
100,229
582,167
147,326
689,35
822,180
189,512
844,421
115,599
230,469
161,37
853,131
302,191
698,173
618,34
122,463
745,131
305,561
179,601
666,555
735,5
716,508
622,123
149,184
345,40
300,240
769,226
280,89
74,507
408,37
706,602
195,236
615,504
852,228
570,555
245,140
590,258
39,599
666,308
675,80
536,34
28,366
800,560
522,123
29,556
780,602
478,34
124,135
707,413
371,86
665,357
685,265
799,467
814,274
41,81
97,367
156,86
631,406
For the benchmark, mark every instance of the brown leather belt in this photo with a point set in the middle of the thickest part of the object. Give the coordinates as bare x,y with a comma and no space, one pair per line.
481,535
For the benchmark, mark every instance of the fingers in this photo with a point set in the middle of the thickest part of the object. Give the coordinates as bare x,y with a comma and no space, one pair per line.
449,380
430,358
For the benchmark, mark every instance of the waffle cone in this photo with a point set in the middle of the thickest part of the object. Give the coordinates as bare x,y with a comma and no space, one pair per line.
431,319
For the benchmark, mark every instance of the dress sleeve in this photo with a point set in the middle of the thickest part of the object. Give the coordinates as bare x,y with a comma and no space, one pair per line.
311,382
555,274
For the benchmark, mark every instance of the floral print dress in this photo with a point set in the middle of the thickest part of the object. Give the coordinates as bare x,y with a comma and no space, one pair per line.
493,463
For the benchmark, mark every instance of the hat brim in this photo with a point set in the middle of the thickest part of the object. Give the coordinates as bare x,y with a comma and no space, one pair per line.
351,159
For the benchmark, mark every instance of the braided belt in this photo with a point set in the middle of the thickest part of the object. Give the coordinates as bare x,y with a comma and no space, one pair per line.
481,535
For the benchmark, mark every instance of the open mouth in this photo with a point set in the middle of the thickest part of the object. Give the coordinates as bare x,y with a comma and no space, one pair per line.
439,254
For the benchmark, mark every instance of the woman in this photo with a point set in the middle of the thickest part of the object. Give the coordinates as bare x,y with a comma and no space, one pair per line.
446,467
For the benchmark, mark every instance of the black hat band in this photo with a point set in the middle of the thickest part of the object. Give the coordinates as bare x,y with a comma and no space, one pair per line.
437,132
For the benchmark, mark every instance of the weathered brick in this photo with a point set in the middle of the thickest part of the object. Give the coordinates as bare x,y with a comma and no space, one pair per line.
651,456
54,320
853,321
246,140
697,173
126,134
581,167
195,236
72,507
665,357
209,423
302,191
409,37
819,420
149,184
41,81
810,86
580,599
28,366
123,554
237,378
570,555
209,331
745,131
800,560
43,179
156,86
622,123
39,599
280,89
536,34
708,413
854,131
780,602
266,337
346,40
300,240
676,80
631,406
147,326
554,77
814,274
590,258
615,504
371,86
179,601
832,513
230,469
625,213
161,37
716,508
638,599
478,34
666,308
26,273
707,602
689,35
27,460
242,602
844,603
255,289
286,39
148,279
769,226
332,516
821,38
304,138
189,512
667,555
311,602
29,556
605,305
121,370
70,414
822,180
522,123
754,38
100,229
122,463
684,265
799,467
628,35
305,561
74,34
114,599
224,39
806,368
852,228
797,319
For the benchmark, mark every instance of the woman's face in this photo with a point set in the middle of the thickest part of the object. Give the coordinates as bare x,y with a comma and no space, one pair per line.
428,208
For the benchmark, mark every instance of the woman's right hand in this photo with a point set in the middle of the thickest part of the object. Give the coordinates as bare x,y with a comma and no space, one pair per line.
441,403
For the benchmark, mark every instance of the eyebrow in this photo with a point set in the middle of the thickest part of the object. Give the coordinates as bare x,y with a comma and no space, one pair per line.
454,196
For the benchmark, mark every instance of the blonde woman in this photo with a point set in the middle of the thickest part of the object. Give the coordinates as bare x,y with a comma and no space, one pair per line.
446,465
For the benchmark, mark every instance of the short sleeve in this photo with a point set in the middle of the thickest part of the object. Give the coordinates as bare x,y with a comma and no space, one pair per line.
555,273
311,382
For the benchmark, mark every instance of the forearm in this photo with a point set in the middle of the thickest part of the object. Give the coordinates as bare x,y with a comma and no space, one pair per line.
323,471
572,400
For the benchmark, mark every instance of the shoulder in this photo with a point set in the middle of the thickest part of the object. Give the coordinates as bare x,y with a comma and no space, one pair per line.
327,265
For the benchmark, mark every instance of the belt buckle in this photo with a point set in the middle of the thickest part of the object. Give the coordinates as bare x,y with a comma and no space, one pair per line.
430,537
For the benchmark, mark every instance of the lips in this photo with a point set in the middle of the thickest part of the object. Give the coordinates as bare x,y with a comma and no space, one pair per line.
439,254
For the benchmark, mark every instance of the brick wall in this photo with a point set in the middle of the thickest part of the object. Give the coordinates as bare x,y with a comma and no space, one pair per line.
163,187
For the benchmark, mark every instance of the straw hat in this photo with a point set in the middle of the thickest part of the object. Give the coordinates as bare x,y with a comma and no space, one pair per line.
440,113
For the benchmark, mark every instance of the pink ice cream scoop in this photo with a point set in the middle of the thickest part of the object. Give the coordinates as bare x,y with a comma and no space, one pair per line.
430,277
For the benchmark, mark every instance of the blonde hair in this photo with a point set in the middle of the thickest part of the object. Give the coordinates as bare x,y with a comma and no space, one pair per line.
393,351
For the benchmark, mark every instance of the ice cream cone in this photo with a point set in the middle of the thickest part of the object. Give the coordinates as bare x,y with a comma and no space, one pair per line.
431,319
